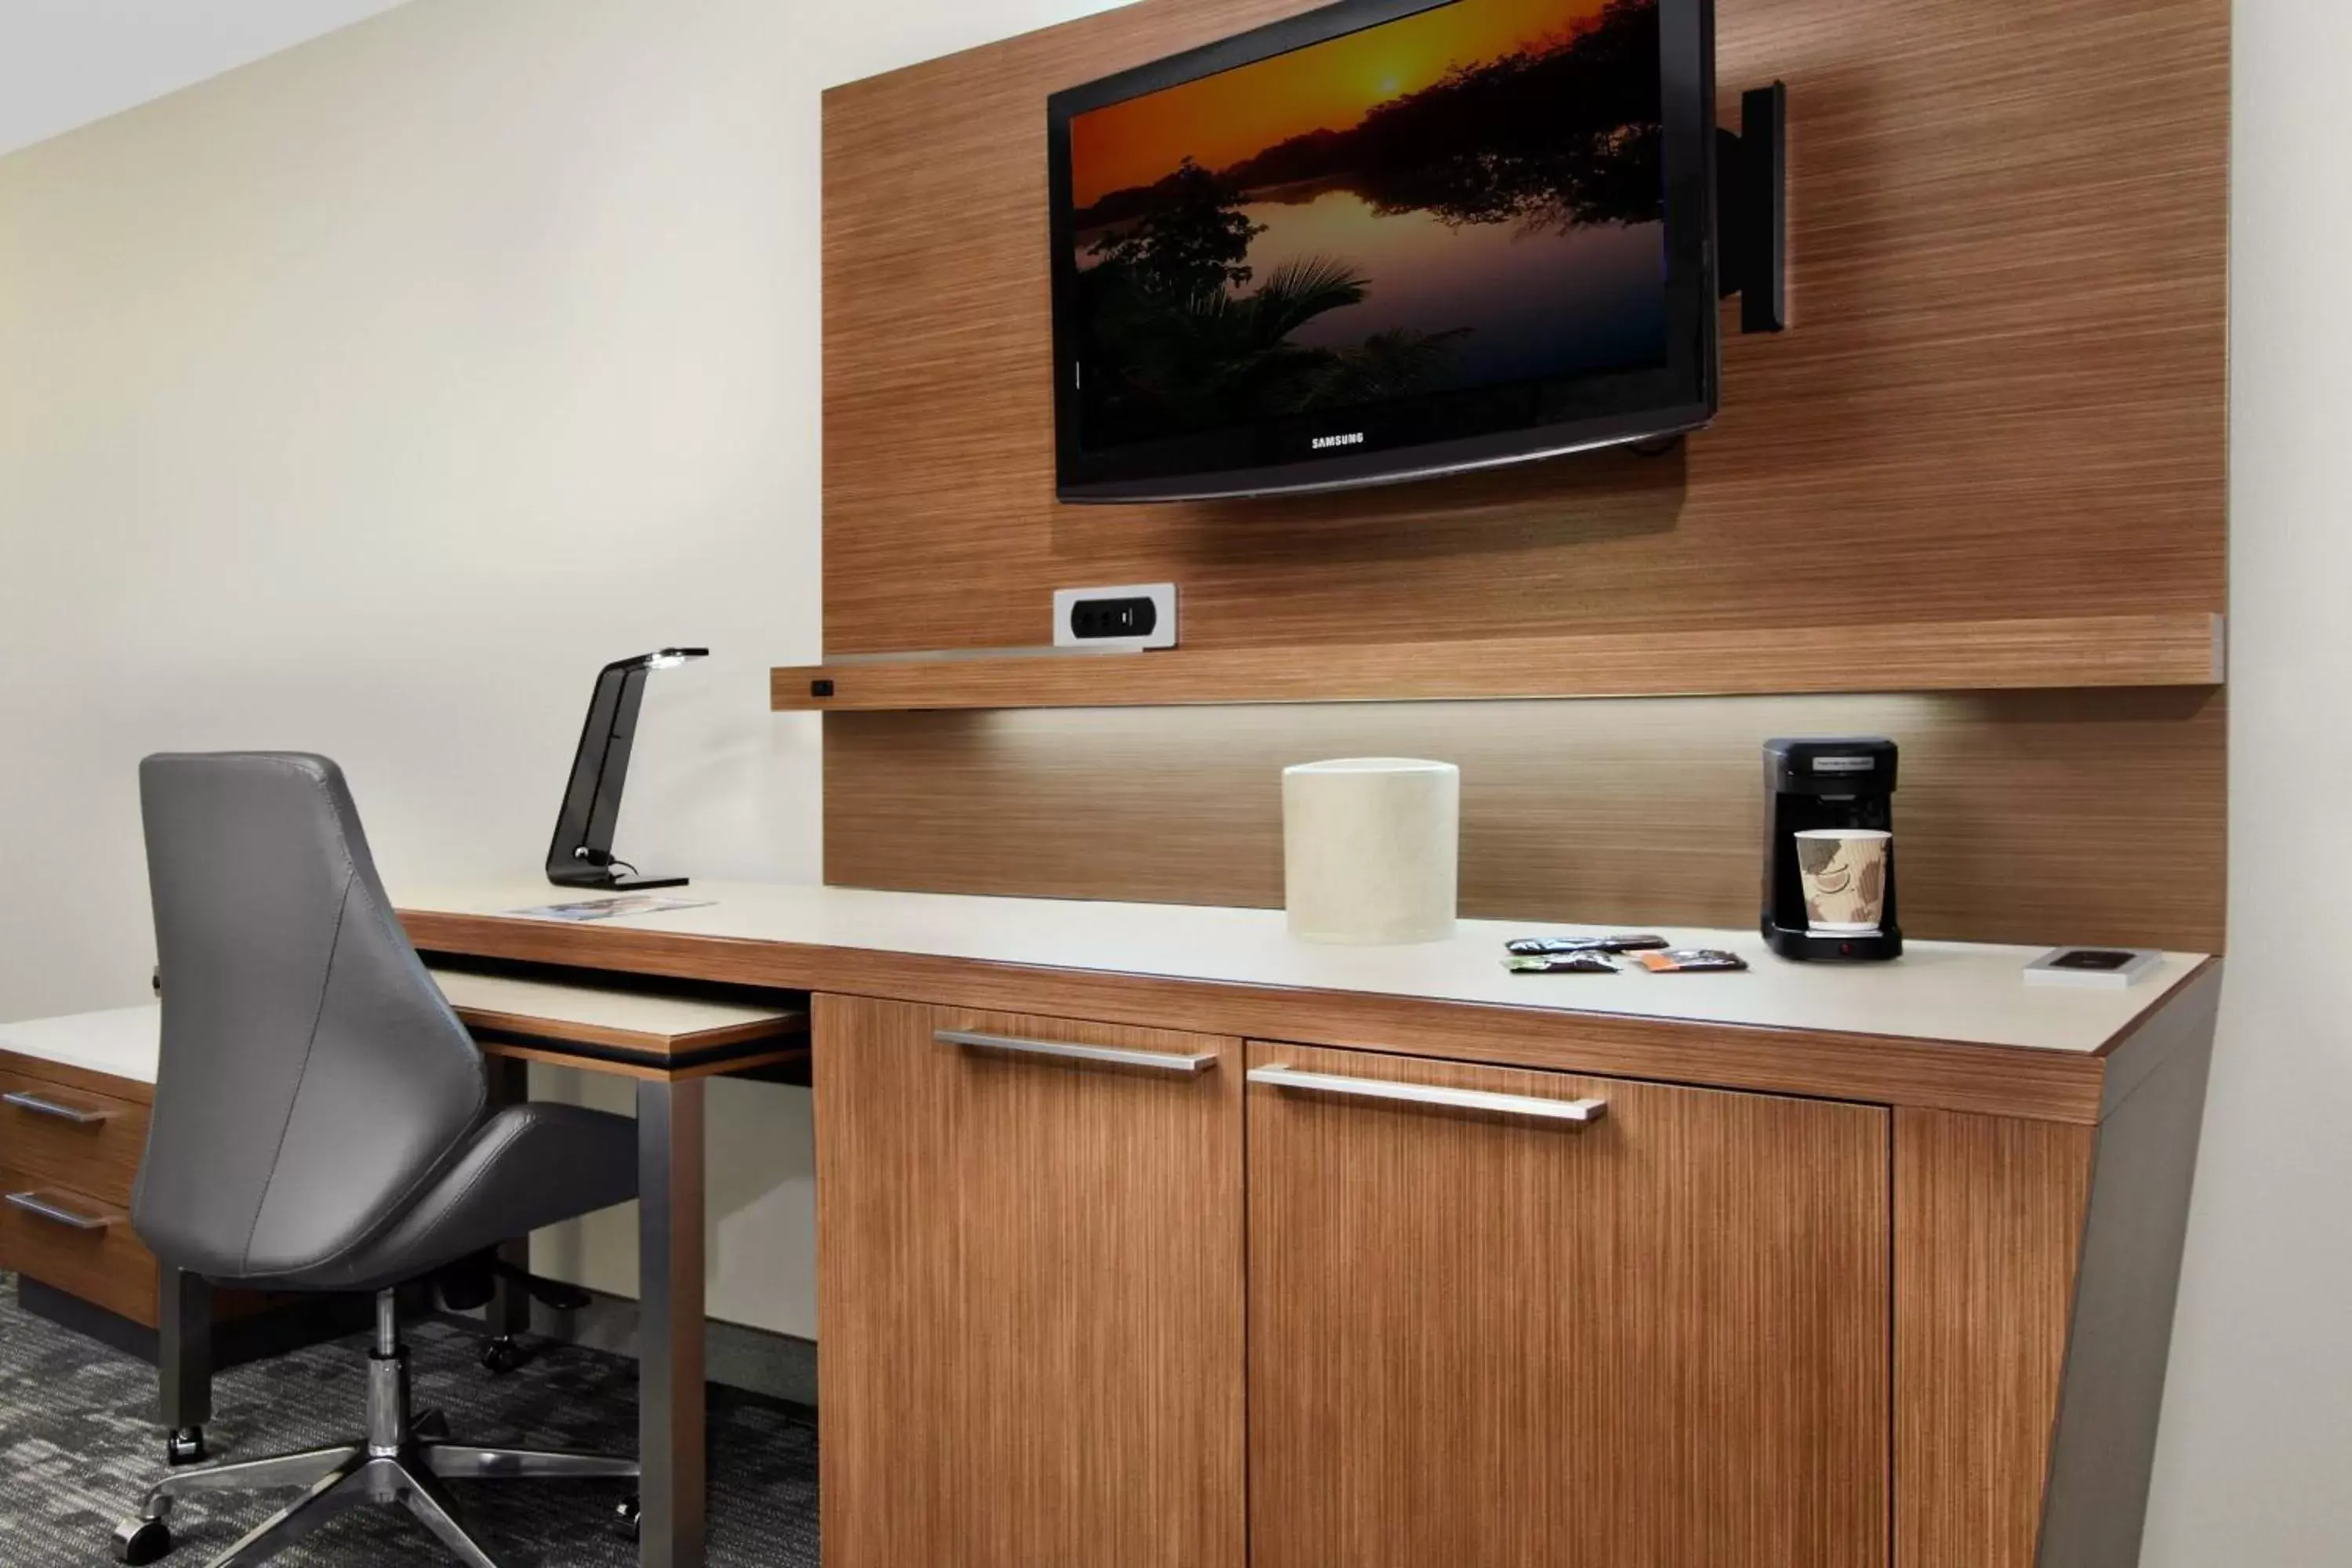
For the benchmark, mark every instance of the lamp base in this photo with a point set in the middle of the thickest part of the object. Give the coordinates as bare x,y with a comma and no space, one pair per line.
609,883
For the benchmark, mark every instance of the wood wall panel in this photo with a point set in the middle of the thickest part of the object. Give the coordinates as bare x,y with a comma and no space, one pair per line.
2051,817
2003,392
1989,1217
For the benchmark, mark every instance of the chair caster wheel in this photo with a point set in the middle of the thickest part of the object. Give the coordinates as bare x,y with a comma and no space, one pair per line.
501,1356
557,1298
628,1515
141,1541
186,1446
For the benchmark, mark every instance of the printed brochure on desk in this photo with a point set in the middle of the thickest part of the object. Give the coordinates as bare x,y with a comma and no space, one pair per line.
608,909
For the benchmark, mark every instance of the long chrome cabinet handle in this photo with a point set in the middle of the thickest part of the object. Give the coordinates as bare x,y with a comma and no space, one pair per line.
34,1203
1153,1061
39,1106
1575,1112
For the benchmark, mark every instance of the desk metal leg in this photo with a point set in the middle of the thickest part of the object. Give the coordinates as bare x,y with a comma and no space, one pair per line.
670,1324
184,1363
510,1310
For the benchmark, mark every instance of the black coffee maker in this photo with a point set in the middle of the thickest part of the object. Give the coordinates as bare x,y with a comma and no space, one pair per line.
1838,782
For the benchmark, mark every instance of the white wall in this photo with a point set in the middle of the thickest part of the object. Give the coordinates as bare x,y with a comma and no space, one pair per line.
2256,1465
64,63
367,399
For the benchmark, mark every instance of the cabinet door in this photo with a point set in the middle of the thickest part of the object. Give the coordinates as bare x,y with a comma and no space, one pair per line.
1482,1338
1030,1290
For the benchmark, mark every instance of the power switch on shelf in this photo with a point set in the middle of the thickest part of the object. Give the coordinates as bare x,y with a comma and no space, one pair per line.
1141,615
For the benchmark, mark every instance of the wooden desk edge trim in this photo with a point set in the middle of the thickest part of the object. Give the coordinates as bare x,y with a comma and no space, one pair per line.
651,1069
649,1044
1997,1080
87,1080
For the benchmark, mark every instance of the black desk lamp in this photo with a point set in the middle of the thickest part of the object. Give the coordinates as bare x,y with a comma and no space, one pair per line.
581,855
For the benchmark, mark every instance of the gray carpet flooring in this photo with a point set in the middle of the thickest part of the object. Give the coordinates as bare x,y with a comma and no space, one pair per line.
79,1445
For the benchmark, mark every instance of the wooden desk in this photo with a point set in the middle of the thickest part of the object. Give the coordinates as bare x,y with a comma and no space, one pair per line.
634,1032
671,1044
1899,1242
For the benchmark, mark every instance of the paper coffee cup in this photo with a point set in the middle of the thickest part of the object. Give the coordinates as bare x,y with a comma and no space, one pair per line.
1845,873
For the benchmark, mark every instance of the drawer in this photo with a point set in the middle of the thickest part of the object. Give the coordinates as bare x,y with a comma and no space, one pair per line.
1029,1240
1502,1316
89,1142
81,1246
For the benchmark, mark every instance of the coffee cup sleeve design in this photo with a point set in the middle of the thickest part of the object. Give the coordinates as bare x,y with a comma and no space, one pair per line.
1818,857
1845,877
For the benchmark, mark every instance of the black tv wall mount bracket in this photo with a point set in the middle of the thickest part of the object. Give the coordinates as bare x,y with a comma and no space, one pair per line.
1751,209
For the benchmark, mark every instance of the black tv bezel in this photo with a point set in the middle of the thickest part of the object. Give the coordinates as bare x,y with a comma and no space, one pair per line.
1608,410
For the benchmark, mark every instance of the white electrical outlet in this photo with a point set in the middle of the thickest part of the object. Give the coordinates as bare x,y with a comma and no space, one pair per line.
1138,614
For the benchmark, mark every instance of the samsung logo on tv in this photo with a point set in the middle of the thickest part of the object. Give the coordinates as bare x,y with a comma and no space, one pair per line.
1353,438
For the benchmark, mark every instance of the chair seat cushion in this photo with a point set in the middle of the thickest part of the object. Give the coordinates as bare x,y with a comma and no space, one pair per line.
526,1167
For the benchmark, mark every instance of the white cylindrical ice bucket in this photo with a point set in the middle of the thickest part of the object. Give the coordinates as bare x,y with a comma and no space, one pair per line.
1368,847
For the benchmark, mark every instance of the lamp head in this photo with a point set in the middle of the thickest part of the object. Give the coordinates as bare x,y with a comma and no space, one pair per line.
671,657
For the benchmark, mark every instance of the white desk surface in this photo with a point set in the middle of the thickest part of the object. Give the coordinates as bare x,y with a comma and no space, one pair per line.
1967,993
121,1044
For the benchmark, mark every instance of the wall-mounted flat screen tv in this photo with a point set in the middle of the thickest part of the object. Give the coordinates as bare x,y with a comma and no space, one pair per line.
1385,241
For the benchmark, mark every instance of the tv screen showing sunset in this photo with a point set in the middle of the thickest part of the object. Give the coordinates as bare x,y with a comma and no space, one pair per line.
1468,196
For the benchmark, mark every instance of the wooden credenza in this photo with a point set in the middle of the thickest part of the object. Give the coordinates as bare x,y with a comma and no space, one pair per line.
1286,1258
1468,1333
1463,1331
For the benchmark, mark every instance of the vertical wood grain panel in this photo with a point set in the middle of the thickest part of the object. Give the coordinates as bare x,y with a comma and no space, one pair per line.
1031,1291
1661,1340
1989,1216
2004,390
2053,816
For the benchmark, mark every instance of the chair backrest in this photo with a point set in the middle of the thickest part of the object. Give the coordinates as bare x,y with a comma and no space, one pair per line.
313,1078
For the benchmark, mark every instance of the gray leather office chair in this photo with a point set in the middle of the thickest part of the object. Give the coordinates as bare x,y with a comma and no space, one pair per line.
321,1122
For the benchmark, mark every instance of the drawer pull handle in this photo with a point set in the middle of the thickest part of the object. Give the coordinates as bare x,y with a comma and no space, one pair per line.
23,1100
1574,1112
56,1213
1114,1056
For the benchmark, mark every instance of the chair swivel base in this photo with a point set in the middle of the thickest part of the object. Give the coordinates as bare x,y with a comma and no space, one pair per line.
400,1463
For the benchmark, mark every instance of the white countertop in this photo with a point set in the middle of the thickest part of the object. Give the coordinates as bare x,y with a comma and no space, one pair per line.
121,1044
1965,993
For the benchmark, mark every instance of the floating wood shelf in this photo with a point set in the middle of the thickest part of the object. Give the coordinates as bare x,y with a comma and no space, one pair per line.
2183,648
